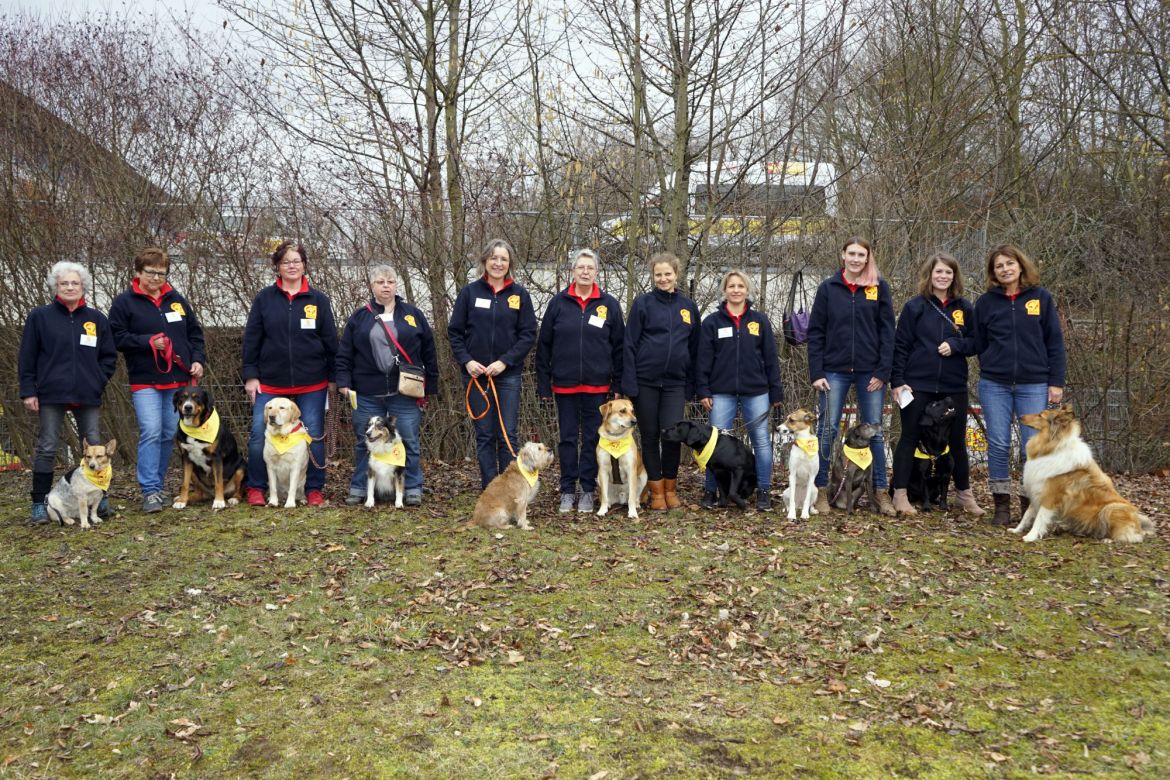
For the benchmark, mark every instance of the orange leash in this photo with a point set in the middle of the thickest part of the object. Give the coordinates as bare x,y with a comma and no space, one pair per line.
499,412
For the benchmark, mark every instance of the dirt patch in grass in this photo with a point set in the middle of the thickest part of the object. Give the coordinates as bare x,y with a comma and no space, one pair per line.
345,642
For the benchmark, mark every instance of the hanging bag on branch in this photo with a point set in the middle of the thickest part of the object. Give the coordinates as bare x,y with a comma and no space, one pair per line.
795,323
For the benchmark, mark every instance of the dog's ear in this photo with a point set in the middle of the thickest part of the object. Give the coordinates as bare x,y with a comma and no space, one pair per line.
810,418
296,410
111,445
604,408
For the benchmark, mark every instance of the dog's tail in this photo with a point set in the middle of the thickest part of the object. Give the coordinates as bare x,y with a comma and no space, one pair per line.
54,512
467,526
1121,522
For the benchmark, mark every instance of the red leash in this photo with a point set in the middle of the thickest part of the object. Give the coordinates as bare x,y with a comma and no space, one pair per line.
171,359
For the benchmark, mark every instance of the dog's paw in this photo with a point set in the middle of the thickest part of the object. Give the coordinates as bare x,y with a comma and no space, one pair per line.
525,526
233,501
792,516
369,503
1031,536
219,505
274,501
67,520
290,504
181,504
84,524
1019,529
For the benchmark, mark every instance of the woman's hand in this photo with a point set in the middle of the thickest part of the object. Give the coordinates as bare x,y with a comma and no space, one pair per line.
874,385
707,403
897,392
944,349
252,387
32,403
1055,394
197,370
495,368
474,367
821,384
159,341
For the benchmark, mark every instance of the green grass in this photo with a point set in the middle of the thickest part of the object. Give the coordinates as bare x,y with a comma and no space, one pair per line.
346,643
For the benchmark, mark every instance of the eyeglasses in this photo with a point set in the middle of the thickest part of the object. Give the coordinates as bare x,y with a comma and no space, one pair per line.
155,274
68,283
291,263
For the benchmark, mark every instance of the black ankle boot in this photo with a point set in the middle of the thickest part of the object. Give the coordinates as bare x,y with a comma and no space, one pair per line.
1003,509
708,499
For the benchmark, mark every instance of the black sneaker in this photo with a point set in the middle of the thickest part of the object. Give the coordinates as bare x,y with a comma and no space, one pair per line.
40,513
708,499
354,499
763,502
150,504
104,508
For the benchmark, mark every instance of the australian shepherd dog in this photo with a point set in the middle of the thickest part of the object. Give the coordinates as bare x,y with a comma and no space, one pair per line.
1067,488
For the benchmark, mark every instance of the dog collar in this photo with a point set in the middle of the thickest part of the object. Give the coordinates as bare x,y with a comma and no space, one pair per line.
616,448
701,457
395,457
98,478
923,456
808,446
207,432
283,442
861,456
529,476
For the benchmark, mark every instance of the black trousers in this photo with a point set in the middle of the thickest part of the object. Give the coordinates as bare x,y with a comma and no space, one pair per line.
659,408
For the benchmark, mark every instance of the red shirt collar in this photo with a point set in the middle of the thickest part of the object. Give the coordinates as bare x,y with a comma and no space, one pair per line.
304,287
852,287
137,288
593,294
488,282
735,318
80,302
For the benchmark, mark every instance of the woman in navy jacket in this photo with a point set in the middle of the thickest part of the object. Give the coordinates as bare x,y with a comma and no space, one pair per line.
367,364
934,337
67,356
1021,362
290,342
578,361
492,329
155,329
738,369
658,372
851,344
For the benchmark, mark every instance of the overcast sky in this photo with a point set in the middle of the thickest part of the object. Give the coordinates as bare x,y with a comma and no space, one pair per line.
205,13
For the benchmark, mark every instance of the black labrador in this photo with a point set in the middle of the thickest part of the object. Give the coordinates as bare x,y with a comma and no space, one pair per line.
849,481
933,460
732,463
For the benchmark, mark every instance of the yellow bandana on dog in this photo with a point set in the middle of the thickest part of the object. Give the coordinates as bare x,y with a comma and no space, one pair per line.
862,456
395,457
205,432
98,478
616,448
808,446
283,442
923,456
529,476
701,457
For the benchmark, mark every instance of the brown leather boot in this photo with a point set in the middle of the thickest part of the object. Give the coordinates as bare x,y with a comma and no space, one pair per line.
821,505
670,493
884,505
902,503
657,495
968,503
1003,509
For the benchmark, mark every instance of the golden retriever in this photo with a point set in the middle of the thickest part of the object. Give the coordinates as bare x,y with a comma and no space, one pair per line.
617,444
507,497
286,452
1067,488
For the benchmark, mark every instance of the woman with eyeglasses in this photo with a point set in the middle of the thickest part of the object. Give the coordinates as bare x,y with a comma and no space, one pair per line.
67,356
156,331
290,342
578,362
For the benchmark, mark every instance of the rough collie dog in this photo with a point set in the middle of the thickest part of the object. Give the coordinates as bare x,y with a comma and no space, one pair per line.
803,461
507,497
616,445
1068,490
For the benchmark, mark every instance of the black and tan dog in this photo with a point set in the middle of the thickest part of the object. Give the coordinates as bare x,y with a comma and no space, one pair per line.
212,464
730,460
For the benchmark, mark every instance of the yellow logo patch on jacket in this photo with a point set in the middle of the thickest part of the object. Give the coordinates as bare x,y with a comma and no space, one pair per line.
410,320
957,316
90,328
754,328
310,312
513,301
686,315
602,311
1032,307
871,293
177,308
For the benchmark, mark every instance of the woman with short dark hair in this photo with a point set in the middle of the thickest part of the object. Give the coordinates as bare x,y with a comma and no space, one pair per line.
290,342
67,357
156,331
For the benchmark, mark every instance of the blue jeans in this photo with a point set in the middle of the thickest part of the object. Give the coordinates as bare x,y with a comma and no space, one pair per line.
723,408
312,406
490,448
579,417
157,422
407,418
1001,404
869,407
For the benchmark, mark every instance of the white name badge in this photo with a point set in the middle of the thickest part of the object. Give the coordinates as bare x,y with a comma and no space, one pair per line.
725,333
307,324
88,341
596,321
483,303
174,316
386,316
